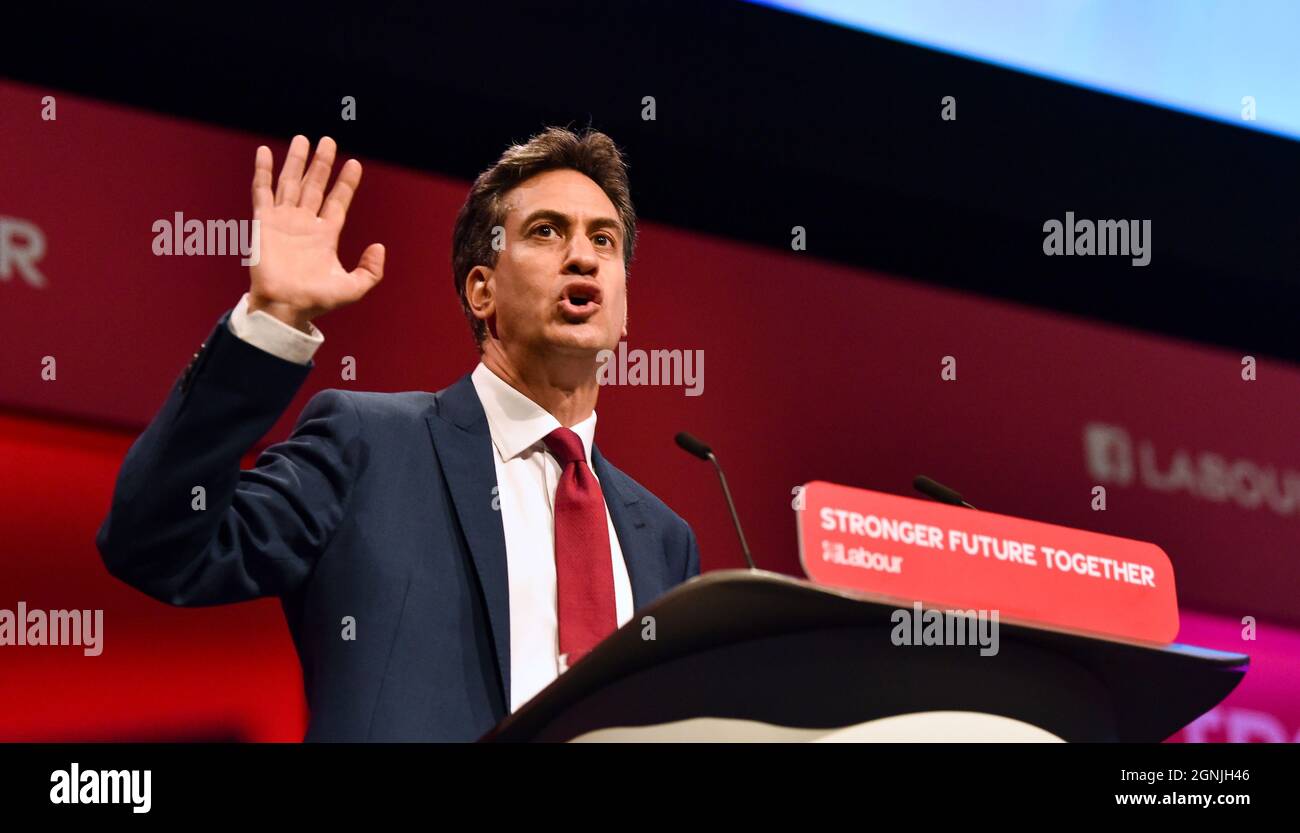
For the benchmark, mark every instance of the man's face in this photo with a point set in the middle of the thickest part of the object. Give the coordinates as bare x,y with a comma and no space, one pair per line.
559,285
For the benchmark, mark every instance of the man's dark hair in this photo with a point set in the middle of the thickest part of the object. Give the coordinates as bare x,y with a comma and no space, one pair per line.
588,152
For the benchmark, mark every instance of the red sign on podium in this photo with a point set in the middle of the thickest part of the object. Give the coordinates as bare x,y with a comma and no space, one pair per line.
904,550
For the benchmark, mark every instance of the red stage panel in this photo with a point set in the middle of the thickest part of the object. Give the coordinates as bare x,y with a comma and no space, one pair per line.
812,371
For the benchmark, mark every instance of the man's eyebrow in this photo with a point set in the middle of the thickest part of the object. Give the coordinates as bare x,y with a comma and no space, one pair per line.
562,219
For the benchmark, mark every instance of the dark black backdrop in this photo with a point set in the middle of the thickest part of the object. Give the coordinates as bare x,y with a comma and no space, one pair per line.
764,121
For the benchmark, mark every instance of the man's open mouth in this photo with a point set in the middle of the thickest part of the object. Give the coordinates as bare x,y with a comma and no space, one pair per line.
580,300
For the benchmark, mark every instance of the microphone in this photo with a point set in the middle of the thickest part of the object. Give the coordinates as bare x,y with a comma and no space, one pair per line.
699,449
938,491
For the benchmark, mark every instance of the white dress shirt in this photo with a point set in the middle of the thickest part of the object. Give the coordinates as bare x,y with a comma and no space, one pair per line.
265,331
527,476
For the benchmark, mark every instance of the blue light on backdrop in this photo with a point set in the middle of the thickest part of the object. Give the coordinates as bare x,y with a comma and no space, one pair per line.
1196,56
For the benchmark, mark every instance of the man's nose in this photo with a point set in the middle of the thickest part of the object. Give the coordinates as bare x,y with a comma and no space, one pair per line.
581,258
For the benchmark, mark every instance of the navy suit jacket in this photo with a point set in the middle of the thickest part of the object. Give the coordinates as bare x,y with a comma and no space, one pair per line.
379,507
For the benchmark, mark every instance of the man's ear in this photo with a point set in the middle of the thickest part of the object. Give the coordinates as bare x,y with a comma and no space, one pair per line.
624,336
478,292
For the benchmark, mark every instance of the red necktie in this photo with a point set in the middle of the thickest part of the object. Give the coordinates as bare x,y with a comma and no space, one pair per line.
584,570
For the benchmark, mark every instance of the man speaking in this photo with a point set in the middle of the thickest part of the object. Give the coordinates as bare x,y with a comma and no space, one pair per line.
440,557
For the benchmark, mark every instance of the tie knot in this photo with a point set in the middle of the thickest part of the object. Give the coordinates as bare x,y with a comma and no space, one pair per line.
566,446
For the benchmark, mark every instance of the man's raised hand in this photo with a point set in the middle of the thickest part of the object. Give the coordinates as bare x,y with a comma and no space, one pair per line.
298,275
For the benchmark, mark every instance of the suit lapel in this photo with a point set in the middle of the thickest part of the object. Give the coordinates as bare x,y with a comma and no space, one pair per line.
645,565
464,448
463,444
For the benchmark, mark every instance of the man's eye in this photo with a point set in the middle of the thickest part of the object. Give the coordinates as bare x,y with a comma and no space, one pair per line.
541,229
608,241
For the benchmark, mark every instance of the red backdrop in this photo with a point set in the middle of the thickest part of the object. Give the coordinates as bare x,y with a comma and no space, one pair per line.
812,371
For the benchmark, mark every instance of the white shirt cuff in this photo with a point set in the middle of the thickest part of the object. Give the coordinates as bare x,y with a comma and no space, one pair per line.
268,333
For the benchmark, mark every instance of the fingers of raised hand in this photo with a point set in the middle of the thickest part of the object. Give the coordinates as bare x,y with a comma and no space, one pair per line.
263,197
318,175
370,268
340,196
289,187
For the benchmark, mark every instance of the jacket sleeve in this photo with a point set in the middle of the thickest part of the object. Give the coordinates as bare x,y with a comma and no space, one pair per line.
187,526
692,555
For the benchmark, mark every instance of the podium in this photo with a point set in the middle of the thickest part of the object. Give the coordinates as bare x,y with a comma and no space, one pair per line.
748,655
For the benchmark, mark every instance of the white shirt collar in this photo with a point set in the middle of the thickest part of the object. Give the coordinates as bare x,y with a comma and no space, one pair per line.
516,422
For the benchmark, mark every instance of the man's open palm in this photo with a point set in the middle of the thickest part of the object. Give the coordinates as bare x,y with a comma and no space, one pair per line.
298,276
